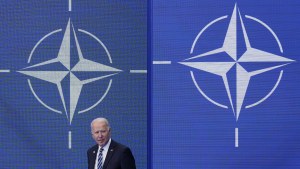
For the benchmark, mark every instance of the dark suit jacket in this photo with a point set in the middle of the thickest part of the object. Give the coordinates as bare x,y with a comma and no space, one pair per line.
118,157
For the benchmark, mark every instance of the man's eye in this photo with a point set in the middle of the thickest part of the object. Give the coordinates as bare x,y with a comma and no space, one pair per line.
97,132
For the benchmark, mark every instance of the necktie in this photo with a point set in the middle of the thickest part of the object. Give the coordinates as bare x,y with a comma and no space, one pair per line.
100,159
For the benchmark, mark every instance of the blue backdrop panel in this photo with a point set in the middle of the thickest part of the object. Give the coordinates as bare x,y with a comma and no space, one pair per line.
62,64
225,84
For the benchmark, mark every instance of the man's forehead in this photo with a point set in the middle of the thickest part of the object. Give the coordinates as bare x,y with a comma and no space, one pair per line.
99,124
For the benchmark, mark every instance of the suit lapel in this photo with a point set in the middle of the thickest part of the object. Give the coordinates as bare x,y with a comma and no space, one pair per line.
109,154
94,154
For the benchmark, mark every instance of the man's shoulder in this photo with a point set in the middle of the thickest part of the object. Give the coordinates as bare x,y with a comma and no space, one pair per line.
93,148
117,144
119,147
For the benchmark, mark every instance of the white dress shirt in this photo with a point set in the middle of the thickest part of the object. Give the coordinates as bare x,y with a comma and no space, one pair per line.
104,153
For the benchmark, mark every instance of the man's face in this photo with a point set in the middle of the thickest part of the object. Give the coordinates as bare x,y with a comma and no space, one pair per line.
100,133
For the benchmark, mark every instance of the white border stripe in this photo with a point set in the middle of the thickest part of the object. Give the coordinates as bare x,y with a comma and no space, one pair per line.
138,71
70,140
4,71
236,137
70,5
162,62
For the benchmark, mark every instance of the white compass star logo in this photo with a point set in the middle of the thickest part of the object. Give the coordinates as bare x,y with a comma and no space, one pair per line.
249,55
64,58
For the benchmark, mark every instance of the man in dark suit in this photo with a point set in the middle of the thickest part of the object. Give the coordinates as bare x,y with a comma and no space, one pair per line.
107,153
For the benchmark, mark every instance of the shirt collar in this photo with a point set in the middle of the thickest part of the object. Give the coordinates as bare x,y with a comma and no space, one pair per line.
106,146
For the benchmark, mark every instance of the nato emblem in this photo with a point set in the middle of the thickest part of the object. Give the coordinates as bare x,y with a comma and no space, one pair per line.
70,70
238,47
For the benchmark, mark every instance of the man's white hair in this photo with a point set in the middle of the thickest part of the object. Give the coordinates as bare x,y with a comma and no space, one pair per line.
100,119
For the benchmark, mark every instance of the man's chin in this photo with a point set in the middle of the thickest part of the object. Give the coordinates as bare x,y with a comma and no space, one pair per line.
101,143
